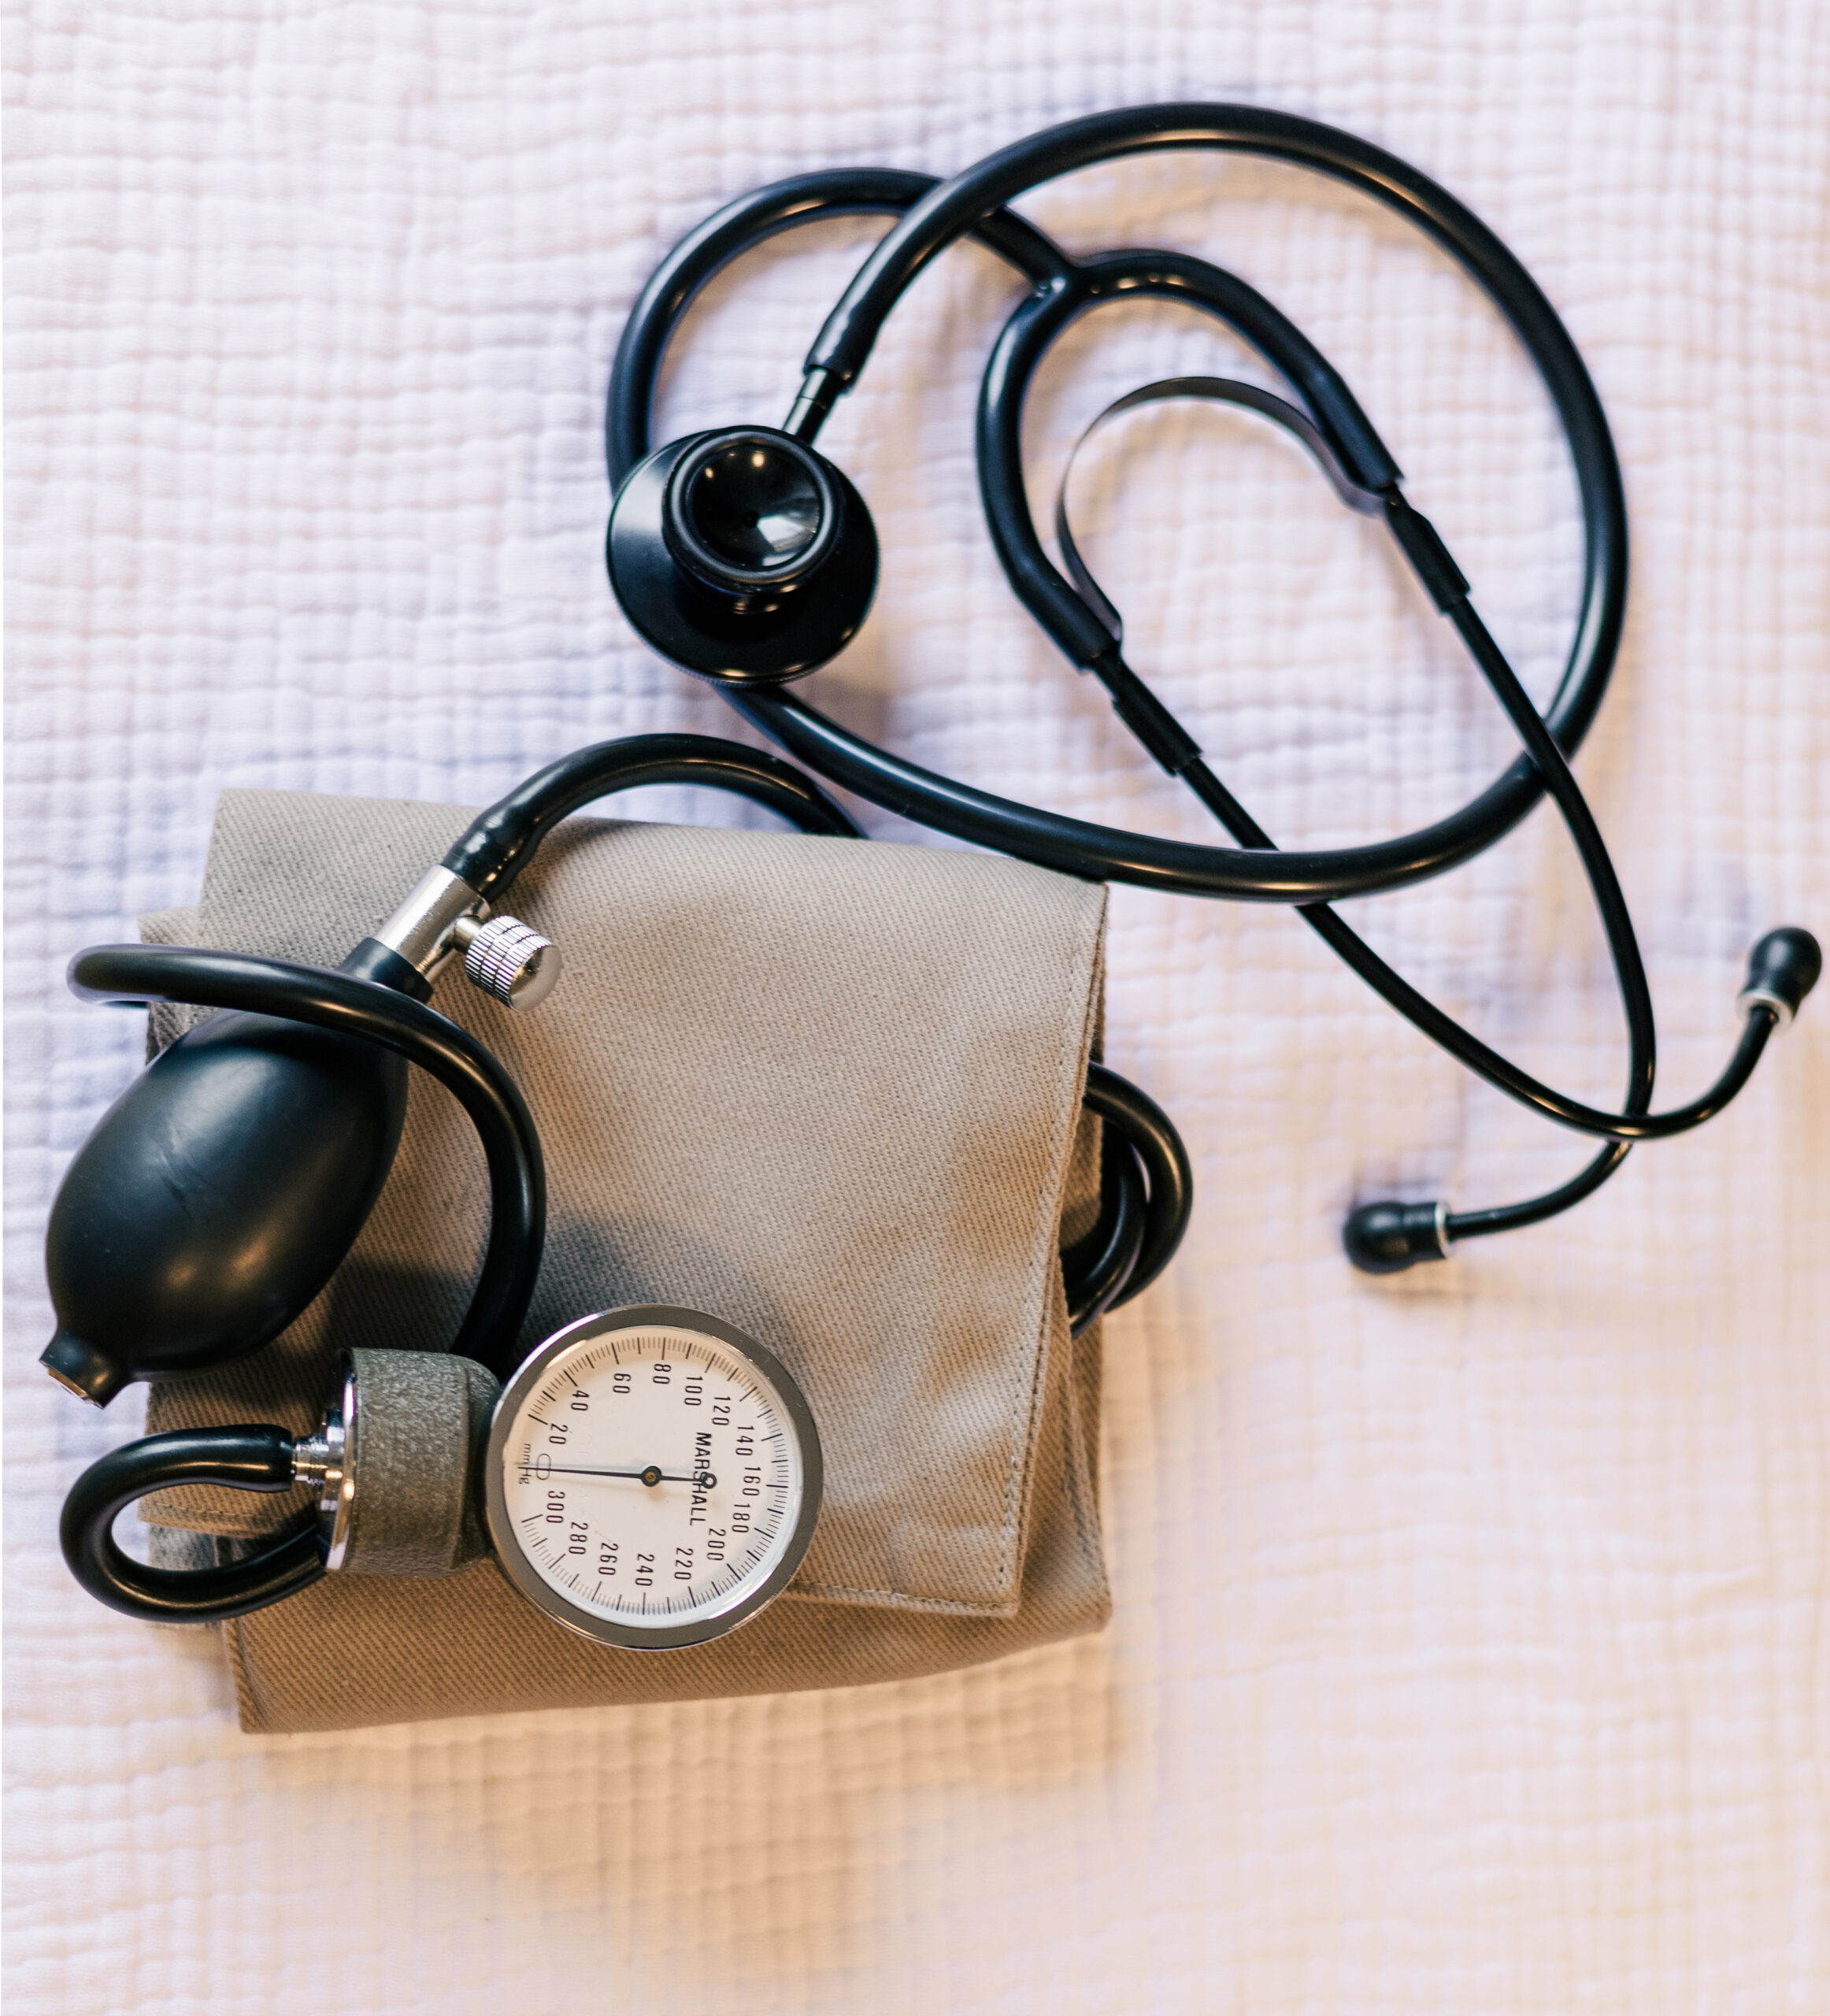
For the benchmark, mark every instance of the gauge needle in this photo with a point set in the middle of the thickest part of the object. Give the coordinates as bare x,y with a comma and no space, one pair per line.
652,1475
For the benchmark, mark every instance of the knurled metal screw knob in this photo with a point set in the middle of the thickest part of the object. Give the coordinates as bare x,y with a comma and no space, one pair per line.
506,958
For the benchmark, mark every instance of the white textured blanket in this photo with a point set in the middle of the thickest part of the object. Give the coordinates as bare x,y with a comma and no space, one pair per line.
1468,1647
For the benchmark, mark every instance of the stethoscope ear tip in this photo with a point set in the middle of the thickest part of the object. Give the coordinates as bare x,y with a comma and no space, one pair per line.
1386,1238
1782,969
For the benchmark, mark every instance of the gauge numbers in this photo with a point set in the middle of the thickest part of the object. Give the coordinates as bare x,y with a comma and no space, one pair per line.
653,1477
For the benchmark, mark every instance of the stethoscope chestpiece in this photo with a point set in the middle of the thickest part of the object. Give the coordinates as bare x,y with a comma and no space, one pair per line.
744,556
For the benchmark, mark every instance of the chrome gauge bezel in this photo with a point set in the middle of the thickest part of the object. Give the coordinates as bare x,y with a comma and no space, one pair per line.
748,1599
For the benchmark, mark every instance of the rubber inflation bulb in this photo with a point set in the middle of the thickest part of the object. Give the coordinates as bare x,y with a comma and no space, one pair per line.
216,1197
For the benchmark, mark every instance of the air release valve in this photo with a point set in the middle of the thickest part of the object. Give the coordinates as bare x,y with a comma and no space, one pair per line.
509,959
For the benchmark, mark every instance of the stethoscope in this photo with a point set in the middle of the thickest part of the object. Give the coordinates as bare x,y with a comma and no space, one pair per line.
747,558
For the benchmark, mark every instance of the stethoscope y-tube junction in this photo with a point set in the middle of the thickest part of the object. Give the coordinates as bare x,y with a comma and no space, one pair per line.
1324,415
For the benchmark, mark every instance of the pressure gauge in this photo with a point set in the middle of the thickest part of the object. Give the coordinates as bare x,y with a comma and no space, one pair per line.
652,1477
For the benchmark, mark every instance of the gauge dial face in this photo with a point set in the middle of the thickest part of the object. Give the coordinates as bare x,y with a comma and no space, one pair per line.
653,1477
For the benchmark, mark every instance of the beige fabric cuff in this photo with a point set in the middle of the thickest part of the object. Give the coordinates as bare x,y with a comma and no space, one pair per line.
826,1090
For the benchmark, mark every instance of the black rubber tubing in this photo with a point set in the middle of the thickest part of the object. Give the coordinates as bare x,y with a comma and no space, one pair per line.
1094,1267
1159,1149
250,1459
500,842
750,221
132,974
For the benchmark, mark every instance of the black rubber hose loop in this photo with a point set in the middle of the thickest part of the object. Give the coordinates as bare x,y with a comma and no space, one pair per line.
1346,437
252,1458
1151,1135
517,1183
1222,391
1096,1267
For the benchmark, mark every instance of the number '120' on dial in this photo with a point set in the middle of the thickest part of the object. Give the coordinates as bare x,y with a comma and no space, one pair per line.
653,1477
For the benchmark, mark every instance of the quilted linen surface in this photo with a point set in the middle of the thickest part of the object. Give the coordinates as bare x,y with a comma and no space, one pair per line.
1468,1647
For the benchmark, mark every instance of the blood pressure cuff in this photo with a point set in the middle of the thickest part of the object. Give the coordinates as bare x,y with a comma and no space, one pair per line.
827,1090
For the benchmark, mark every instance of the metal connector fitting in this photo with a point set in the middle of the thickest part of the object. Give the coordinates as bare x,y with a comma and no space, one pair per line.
1750,997
326,1461
423,930
509,959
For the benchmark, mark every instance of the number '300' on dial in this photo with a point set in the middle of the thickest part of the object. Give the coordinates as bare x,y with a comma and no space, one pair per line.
653,1477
